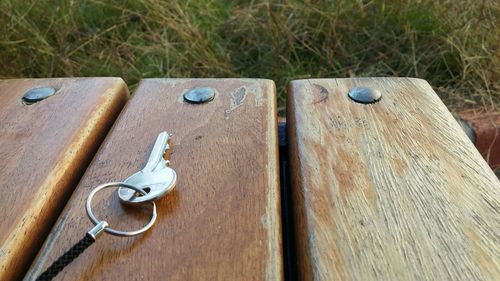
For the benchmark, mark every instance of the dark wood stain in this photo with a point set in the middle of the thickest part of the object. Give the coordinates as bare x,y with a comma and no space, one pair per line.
322,94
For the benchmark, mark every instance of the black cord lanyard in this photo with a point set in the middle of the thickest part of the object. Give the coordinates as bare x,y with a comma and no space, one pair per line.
91,236
67,258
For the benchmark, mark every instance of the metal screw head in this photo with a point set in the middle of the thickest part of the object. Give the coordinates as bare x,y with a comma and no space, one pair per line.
364,95
38,94
469,131
199,95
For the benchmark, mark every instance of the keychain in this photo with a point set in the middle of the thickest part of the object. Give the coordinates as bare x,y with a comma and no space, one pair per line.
151,183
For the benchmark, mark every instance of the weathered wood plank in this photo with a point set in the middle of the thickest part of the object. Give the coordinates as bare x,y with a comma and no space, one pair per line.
222,222
388,191
44,149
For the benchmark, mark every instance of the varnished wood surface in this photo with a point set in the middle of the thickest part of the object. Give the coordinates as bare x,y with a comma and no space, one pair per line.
44,149
222,221
388,191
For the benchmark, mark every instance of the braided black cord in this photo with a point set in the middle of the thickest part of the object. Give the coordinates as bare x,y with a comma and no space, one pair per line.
67,258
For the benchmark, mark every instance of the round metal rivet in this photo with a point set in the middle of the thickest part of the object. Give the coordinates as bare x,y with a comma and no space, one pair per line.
199,95
469,131
38,94
364,95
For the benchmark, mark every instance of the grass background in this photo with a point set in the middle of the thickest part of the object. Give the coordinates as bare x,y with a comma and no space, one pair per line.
452,44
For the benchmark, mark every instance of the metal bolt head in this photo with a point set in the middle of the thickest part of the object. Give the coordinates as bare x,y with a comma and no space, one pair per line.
38,94
469,131
199,95
364,95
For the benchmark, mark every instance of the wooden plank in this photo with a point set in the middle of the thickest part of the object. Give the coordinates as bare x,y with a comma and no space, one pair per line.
388,191
222,221
44,149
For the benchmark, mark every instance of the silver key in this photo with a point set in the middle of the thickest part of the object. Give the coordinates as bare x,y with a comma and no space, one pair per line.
156,178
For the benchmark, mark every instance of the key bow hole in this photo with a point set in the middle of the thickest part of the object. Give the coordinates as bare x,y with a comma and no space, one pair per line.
147,189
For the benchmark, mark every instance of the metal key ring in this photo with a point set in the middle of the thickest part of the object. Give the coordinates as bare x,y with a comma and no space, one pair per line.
111,231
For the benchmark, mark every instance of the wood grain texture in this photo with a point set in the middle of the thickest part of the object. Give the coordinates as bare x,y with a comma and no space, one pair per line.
222,221
44,149
388,191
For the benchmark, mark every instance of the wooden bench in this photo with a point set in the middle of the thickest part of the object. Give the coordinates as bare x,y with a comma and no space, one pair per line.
388,191
44,149
392,190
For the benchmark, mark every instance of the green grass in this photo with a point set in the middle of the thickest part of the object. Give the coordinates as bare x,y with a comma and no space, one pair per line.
452,44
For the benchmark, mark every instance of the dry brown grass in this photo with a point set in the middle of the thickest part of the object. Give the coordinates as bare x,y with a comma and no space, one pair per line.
452,44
